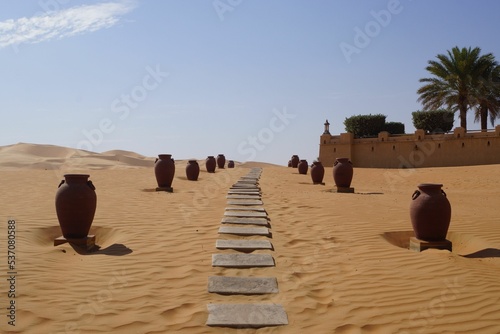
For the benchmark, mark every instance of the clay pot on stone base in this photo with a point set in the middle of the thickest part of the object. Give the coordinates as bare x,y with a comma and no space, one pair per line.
317,172
342,172
221,160
430,212
295,161
230,164
302,167
76,202
164,170
210,164
192,170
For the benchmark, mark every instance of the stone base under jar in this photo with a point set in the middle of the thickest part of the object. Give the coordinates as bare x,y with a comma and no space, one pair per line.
88,243
344,190
167,189
418,245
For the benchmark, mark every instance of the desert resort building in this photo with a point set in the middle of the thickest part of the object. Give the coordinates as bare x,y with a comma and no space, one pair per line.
419,149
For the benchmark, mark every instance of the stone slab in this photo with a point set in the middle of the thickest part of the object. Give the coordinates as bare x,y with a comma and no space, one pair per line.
242,285
246,208
167,189
243,191
245,185
246,177
418,245
249,196
243,245
245,221
344,190
246,315
245,202
88,243
244,230
242,260
246,190
247,181
248,214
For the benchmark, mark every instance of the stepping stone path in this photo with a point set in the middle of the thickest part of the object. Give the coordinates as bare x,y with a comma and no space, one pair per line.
250,218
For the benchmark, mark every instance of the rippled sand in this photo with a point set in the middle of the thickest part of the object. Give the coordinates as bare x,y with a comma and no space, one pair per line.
341,259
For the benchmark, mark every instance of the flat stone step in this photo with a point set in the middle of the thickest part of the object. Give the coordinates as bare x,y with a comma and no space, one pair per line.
252,188
243,191
243,245
244,230
253,178
245,185
242,285
246,315
246,208
242,260
245,221
245,202
248,214
249,196
247,181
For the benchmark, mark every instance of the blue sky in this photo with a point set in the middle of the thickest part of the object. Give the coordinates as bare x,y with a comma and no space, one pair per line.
252,79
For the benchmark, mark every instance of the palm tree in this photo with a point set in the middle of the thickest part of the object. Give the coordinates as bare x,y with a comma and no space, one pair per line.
488,96
456,78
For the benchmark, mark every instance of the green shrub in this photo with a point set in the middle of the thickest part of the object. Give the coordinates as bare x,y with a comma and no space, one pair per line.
365,125
395,128
434,121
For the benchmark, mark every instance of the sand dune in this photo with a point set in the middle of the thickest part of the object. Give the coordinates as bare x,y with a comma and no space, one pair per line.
342,261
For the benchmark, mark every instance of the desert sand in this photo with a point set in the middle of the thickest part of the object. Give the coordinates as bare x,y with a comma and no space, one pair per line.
342,261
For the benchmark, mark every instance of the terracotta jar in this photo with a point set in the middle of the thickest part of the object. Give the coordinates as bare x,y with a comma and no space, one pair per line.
430,212
317,172
230,164
289,163
164,170
303,166
210,164
295,161
76,202
342,172
192,170
221,160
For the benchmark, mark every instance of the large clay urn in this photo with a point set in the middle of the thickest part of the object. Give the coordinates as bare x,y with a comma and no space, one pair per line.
317,172
295,161
221,160
192,170
430,212
342,172
210,164
230,164
164,170
289,163
302,166
76,202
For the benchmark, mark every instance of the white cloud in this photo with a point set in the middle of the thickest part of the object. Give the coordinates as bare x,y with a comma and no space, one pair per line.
62,23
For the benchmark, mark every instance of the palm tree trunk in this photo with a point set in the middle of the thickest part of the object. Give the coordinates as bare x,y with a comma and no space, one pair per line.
484,118
463,116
